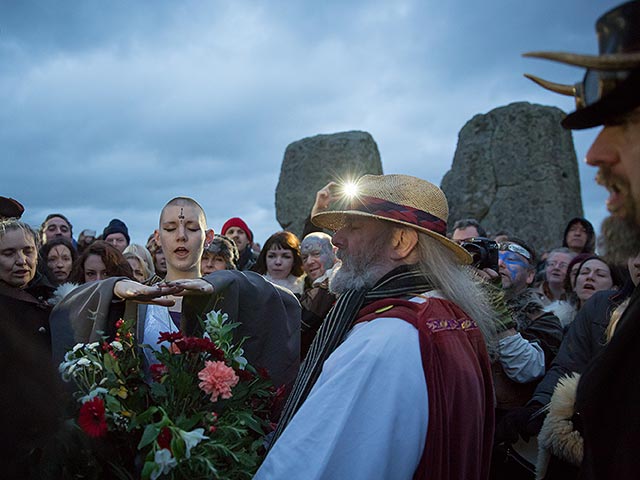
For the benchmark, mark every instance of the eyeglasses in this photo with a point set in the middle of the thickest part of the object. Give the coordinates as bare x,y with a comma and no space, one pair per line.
515,248
557,264
597,84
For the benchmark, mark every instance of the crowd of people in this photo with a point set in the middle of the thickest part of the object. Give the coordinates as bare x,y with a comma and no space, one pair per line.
406,347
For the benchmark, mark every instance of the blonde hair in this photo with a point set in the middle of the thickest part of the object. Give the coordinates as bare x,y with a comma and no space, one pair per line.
143,255
615,318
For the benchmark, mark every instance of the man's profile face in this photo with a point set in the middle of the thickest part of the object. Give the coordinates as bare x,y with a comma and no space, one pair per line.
118,240
363,245
239,236
18,258
461,234
56,227
616,152
515,271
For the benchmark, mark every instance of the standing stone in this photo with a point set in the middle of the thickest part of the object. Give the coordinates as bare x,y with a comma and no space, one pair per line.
309,164
515,169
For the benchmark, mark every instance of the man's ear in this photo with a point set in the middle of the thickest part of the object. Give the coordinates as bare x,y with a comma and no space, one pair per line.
531,275
403,243
156,237
208,236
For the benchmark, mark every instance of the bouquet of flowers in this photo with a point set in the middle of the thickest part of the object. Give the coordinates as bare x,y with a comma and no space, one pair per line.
201,411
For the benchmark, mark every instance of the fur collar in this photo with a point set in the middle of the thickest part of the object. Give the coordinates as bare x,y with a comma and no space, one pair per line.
564,310
61,292
558,435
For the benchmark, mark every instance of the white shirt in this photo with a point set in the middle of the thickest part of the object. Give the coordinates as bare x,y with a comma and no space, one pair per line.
157,320
522,360
367,415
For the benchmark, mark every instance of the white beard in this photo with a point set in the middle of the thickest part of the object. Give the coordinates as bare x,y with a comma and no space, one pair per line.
355,273
347,278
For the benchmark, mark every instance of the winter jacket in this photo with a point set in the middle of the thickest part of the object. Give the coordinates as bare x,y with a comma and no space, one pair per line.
583,341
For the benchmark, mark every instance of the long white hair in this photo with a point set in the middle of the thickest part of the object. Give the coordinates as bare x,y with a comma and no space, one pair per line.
457,284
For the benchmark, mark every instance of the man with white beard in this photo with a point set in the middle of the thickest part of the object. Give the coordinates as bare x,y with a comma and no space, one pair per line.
397,383
608,393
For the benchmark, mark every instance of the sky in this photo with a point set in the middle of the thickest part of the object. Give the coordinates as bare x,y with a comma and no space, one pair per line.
111,108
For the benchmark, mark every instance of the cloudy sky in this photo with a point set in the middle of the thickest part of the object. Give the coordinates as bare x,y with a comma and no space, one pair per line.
110,108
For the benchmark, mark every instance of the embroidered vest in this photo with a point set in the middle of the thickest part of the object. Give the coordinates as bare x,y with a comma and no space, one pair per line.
458,377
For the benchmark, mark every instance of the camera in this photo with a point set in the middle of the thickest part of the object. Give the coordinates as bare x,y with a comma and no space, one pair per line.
484,252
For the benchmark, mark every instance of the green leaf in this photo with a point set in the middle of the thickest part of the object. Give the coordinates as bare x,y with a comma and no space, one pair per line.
158,390
144,417
178,447
113,405
149,435
111,364
188,423
147,469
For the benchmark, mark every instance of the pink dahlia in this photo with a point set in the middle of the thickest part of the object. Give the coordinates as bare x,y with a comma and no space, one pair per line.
217,379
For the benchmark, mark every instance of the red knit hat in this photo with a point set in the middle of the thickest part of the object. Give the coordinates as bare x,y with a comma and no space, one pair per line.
239,223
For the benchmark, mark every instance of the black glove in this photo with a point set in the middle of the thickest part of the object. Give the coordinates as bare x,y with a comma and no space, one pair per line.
522,422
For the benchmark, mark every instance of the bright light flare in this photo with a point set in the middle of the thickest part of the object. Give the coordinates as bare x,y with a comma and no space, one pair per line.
350,189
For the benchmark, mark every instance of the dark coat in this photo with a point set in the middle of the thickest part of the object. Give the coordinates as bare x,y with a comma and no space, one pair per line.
27,310
607,403
583,341
269,317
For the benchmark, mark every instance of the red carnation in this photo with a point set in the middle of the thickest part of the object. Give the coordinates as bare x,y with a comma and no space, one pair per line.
169,337
194,344
158,370
244,375
92,419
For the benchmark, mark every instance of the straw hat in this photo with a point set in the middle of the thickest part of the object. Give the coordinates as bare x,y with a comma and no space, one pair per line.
400,199
611,85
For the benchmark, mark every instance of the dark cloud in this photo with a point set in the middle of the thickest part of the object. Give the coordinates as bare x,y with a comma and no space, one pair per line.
112,108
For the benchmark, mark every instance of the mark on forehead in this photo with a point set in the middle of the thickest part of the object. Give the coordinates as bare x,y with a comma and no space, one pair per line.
181,216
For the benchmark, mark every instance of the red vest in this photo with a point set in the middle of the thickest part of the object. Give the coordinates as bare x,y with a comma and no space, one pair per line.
458,376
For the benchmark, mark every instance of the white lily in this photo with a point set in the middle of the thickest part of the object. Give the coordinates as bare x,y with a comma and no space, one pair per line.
164,463
116,345
94,393
241,361
192,438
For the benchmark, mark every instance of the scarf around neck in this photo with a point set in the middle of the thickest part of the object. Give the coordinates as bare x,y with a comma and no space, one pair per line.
401,281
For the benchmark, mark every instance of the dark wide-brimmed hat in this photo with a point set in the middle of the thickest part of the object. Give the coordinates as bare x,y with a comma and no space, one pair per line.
611,85
10,208
400,199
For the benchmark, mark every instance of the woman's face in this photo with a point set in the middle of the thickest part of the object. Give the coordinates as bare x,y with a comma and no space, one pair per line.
138,271
279,262
94,269
60,261
161,262
212,263
182,235
594,276
573,275
18,258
